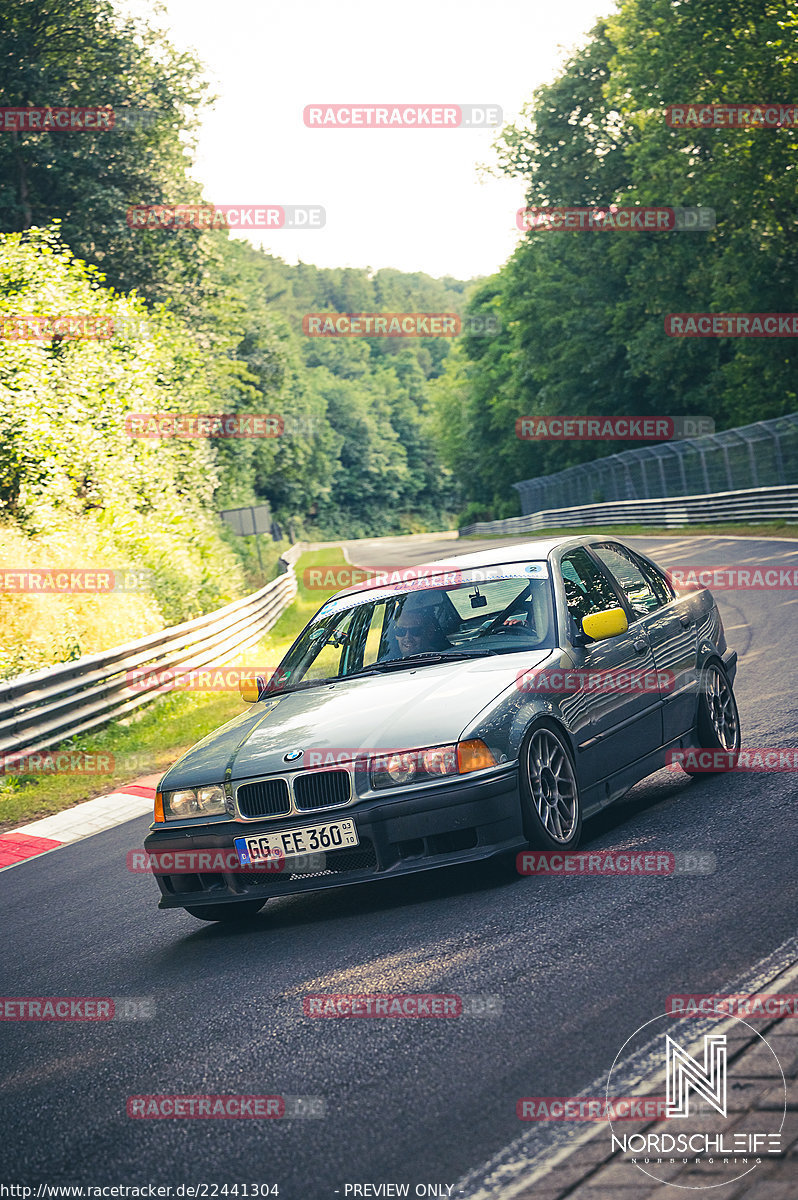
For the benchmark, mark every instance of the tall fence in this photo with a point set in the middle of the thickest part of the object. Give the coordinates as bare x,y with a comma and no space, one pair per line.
764,454
40,709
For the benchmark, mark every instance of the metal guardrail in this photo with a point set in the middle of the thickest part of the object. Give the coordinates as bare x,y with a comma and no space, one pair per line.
40,709
755,504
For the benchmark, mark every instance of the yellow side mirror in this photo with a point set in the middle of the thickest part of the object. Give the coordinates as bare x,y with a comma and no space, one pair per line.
607,624
250,687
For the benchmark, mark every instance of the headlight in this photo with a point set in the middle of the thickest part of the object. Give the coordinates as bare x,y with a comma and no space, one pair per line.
424,766
192,802
211,799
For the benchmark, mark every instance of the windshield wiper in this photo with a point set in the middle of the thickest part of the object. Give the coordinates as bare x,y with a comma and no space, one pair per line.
422,659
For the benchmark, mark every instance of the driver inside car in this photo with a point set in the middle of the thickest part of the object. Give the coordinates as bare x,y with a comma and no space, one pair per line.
414,630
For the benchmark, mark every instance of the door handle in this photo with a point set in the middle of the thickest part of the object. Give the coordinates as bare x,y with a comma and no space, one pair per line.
686,621
640,645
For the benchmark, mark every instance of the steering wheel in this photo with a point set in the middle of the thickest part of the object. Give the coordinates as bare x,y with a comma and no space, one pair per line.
520,627
498,625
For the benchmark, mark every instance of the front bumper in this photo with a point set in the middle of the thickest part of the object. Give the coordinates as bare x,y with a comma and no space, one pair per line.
462,821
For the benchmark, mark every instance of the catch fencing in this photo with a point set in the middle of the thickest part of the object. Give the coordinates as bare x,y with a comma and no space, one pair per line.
755,504
761,455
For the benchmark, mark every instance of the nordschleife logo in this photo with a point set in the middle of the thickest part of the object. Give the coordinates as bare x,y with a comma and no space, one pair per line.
684,1073
725,1101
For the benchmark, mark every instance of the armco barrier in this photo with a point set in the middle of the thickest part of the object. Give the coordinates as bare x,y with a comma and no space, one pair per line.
755,504
43,708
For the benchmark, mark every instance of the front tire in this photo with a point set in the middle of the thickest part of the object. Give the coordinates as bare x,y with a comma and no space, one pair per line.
241,910
550,801
718,721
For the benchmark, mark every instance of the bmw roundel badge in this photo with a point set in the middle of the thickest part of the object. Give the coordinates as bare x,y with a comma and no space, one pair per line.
293,755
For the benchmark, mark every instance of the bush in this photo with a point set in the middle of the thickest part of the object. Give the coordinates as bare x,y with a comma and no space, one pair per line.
75,489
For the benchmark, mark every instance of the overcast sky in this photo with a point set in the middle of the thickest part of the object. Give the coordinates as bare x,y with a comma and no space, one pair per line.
404,198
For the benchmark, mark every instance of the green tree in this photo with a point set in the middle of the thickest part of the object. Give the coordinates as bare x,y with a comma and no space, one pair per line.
84,53
583,313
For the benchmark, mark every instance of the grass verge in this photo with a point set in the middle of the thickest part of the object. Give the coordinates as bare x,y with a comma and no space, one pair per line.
151,740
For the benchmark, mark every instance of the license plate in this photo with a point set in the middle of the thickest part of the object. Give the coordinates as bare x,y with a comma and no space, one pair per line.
261,848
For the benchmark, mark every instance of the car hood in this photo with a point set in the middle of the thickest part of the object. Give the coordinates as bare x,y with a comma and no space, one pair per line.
425,706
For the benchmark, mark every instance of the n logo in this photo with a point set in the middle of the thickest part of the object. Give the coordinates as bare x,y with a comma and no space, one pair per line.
683,1073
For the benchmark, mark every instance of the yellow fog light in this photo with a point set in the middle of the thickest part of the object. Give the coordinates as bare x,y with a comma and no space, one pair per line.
473,755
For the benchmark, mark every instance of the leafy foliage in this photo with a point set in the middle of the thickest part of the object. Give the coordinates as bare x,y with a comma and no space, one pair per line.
583,313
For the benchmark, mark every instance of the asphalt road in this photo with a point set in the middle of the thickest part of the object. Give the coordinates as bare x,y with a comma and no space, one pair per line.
577,964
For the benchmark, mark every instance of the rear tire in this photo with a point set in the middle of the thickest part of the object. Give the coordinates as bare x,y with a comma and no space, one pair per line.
239,911
550,802
718,721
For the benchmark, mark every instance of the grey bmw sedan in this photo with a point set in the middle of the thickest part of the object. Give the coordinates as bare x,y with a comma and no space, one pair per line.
468,709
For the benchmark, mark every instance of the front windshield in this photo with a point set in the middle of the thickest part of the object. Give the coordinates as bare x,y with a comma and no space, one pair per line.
488,611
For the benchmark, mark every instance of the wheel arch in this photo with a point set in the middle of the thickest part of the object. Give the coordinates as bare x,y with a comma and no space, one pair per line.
550,721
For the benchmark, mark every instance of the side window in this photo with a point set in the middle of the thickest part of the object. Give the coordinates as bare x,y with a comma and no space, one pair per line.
659,584
586,589
643,597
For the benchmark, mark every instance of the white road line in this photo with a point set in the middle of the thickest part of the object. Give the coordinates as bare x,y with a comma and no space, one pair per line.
534,1154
